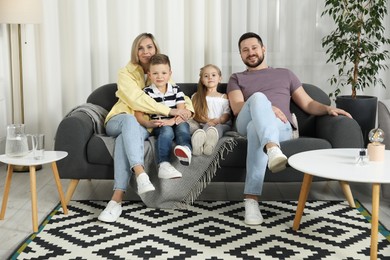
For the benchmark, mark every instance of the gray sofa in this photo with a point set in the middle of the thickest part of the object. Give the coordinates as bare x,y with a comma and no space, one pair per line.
384,124
89,158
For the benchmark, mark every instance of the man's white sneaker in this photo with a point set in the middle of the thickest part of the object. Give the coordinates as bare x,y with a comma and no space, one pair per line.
167,171
276,159
212,138
197,140
111,213
143,183
252,212
183,153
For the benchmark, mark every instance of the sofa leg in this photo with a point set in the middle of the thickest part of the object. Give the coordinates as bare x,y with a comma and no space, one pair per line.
348,193
71,188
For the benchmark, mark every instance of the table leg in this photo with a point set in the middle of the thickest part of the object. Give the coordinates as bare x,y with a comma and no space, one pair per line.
374,221
6,191
347,193
59,187
33,184
305,188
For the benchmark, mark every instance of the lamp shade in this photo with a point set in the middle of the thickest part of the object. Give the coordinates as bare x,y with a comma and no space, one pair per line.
20,11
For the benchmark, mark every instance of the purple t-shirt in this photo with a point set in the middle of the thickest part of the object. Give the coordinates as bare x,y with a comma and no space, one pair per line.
277,84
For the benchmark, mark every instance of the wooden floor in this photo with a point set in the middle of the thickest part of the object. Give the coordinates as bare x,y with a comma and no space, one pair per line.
17,226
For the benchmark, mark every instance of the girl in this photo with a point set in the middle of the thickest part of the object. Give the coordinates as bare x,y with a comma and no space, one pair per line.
212,111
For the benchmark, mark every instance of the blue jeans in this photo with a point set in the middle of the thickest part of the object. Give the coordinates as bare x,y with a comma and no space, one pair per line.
258,123
166,135
129,147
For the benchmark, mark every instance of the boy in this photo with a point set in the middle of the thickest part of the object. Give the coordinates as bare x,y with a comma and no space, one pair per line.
166,128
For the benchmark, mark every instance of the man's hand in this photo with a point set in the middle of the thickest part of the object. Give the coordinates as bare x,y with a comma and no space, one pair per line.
333,111
279,114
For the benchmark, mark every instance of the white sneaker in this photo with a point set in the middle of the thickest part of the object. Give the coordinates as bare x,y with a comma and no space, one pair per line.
111,213
143,183
167,171
197,140
212,138
252,212
276,159
183,153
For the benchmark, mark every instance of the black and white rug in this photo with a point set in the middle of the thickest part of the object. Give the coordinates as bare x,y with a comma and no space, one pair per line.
206,230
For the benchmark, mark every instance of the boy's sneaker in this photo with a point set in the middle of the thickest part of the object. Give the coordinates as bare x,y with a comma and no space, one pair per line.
198,138
183,153
212,138
276,159
167,171
252,212
143,183
111,213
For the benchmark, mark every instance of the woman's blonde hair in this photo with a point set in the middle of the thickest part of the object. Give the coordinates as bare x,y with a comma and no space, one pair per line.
137,41
199,99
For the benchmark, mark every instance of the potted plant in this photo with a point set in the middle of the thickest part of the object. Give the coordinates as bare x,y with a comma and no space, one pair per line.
356,46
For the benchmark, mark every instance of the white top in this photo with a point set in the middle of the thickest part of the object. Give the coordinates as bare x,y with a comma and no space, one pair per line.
28,160
340,164
217,106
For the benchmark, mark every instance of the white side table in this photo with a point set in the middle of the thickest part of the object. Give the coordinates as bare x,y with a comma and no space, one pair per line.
340,164
28,160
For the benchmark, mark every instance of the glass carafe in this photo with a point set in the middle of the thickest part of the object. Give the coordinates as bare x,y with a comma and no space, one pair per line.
16,142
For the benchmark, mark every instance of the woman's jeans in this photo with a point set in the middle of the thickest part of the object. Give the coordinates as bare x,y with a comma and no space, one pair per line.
129,147
258,123
166,135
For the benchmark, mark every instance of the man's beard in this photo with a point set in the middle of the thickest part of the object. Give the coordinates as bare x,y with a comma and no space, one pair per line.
251,65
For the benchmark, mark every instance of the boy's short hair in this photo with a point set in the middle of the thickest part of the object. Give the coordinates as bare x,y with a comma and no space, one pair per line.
159,59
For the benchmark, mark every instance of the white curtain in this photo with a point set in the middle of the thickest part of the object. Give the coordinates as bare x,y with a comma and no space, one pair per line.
81,44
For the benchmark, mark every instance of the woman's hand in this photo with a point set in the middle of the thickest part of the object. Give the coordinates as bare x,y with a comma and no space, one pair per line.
185,114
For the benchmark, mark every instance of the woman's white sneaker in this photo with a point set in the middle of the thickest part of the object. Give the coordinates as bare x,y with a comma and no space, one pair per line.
111,213
143,183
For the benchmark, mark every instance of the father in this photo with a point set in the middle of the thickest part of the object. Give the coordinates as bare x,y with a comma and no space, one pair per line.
260,98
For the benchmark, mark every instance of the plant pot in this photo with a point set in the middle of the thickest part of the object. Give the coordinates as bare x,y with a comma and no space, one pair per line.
362,109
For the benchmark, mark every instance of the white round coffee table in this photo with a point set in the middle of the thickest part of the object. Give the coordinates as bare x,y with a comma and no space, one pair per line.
340,164
28,160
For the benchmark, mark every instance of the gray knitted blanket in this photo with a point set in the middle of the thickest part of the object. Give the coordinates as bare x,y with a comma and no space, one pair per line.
181,192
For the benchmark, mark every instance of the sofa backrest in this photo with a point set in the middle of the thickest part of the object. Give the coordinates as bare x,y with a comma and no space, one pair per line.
104,96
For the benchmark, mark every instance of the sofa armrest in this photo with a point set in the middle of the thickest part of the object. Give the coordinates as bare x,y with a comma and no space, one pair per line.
73,134
340,131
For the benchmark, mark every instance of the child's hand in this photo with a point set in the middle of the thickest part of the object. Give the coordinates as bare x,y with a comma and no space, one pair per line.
156,123
213,122
169,122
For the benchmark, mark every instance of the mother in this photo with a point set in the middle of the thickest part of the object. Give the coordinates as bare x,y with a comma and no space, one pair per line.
121,124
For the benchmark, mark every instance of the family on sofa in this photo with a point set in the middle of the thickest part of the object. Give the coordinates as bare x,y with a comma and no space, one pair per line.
260,101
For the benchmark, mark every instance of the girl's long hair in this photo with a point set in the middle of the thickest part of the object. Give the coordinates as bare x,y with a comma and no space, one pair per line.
199,99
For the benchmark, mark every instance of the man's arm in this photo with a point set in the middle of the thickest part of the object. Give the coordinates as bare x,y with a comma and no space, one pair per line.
236,100
310,106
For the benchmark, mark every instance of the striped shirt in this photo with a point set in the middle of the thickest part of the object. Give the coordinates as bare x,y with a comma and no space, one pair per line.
170,98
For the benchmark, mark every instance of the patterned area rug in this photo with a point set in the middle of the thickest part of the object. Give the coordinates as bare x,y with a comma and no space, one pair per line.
206,230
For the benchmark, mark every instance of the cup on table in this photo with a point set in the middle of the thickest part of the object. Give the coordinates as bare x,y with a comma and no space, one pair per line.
38,145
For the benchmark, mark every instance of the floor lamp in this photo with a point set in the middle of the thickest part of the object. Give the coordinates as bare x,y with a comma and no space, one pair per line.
16,13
